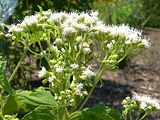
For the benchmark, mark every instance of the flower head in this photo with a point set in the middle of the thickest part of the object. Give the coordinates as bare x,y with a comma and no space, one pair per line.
29,21
74,66
59,70
51,78
58,41
42,72
89,73
68,30
15,28
146,100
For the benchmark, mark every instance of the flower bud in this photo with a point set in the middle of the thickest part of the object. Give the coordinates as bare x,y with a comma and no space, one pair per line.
58,41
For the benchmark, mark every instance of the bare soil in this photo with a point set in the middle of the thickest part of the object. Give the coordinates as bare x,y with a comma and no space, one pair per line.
141,74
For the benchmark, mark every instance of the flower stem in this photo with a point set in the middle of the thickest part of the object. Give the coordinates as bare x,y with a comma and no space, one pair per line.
130,115
139,113
99,74
15,70
146,113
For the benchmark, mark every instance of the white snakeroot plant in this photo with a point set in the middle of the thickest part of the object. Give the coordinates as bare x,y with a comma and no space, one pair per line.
69,45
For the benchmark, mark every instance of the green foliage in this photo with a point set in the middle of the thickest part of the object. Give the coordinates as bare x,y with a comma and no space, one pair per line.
152,13
39,113
26,101
99,112
3,81
28,7
121,11
137,13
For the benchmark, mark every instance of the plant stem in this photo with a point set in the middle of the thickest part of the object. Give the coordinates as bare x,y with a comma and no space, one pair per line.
130,115
31,51
139,113
146,113
39,43
99,74
15,70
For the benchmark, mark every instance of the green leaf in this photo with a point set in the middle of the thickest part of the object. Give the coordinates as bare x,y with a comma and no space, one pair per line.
99,112
3,81
11,106
40,9
26,101
39,113
101,108
39,97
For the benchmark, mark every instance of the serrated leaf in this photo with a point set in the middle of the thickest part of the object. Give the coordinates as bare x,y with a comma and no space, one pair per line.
99,112
26,101
3,81
39,97
101,108
40,113
10,106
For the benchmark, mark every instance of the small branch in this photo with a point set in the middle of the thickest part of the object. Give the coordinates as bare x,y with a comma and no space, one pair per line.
15,70
100,71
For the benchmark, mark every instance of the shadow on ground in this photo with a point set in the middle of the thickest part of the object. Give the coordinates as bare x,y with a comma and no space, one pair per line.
110,93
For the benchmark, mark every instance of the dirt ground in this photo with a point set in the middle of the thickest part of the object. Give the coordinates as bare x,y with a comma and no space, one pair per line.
141,74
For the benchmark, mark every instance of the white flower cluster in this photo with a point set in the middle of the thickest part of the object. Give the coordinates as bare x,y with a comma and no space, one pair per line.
28,21
89,73
73,22
130,34
31,20
71,51
79,88
74,66
146,101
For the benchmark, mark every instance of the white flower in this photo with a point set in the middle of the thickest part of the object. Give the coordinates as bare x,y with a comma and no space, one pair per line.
51,78
57,17
30,20
46,13
68,30
58,41
146,43
79,93
89,73
74,66
80,26
43,52
110,45
59,70
15,28
146,100
124,30
42,72
79,39
54,17
71,101
86,50
85,44
80,86
94,14
100,27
